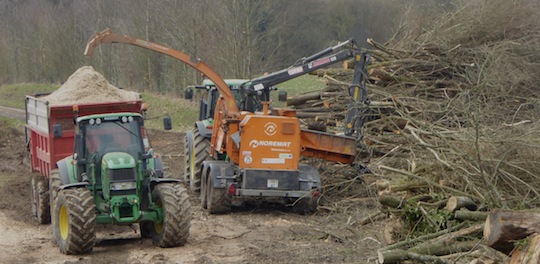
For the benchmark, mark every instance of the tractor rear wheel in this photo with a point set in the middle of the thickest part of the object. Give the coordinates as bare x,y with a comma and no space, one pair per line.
173,199
54,186
218,201
196,150
75,221
40,199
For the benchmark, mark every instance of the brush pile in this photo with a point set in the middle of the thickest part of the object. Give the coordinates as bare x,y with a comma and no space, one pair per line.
452,132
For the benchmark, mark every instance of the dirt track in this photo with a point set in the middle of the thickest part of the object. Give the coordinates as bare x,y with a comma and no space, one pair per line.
252,234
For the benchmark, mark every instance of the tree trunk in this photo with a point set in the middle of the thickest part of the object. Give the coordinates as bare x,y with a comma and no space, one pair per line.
528,255
503,226
470,215
457,202
436,249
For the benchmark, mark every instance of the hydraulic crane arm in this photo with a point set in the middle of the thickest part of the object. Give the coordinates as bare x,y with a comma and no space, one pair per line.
303,66
107,36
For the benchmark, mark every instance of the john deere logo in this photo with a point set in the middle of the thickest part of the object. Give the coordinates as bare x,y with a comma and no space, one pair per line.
270,128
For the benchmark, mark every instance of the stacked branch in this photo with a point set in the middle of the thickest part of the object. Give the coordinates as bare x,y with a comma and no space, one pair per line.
453,125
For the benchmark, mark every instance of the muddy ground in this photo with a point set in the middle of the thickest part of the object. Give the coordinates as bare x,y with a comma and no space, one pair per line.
262,233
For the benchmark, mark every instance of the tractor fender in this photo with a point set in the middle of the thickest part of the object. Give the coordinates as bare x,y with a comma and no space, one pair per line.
220,172
189,142
205,132
73,185
64,170
158,166
156,181
309,177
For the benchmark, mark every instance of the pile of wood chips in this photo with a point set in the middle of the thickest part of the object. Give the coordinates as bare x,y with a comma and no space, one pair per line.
88,86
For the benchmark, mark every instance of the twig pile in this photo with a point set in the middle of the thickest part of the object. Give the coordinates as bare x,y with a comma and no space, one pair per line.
455,114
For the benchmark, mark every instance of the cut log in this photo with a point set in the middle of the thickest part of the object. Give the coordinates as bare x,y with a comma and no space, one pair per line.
503,226
530,254
457,202
316,95
470,215
436,249
392,201
397,256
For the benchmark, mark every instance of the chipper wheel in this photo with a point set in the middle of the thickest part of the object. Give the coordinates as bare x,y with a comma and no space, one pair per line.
74,221
40,199
218,201
195,152
305,205
174,231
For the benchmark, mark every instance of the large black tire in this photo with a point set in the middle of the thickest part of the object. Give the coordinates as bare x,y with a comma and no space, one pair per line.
54,186
75,221
174,231
305,205
203,194
218,201
196,150
40,199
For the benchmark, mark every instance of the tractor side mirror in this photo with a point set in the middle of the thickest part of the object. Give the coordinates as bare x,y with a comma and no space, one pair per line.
167,123
282,96
57,130
188,94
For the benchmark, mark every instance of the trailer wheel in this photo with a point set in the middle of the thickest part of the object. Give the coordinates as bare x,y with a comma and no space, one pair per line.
174,230
75,221
218,201
195,152
305,205
40,199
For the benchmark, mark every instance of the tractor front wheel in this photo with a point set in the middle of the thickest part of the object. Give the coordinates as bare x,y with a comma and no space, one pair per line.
173,199
40,199
75,221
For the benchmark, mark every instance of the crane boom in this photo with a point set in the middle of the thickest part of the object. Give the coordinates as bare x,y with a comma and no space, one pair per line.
107,36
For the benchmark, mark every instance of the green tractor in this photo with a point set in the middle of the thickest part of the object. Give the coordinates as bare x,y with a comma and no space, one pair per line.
114,177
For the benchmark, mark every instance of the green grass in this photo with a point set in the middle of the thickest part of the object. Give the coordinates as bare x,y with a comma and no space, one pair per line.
13,95
11,123
182,112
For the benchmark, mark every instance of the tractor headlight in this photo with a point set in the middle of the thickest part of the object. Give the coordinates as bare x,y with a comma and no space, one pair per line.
118,186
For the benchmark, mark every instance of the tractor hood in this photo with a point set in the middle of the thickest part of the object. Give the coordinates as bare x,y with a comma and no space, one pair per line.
118,160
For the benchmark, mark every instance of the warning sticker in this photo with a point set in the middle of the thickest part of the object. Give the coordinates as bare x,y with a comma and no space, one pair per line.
273,161
285,155
272,183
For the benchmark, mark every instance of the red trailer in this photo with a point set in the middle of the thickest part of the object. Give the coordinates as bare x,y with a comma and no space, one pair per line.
47,147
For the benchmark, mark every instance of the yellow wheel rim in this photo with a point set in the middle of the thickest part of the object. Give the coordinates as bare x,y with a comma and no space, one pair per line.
63,221
158,228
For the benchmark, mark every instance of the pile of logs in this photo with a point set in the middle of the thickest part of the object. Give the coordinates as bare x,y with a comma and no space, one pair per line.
455,228
435,177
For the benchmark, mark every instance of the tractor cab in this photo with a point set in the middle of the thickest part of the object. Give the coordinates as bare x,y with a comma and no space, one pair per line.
209,100
111,153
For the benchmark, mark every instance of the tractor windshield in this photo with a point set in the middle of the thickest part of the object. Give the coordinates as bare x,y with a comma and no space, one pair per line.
122,134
